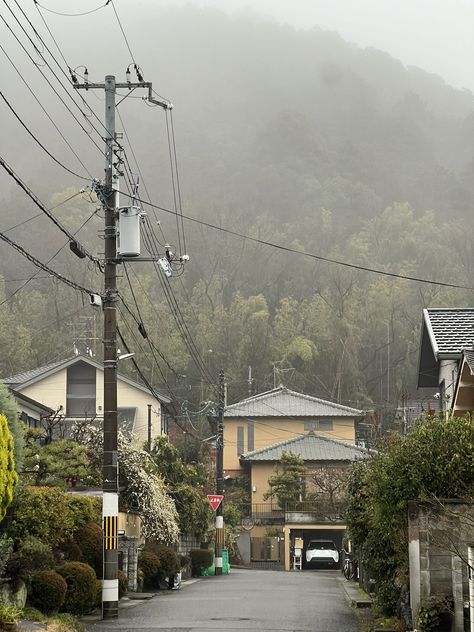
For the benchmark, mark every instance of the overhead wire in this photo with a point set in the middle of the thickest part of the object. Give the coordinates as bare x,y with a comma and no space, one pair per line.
51,208
71,15
45,111
310,255
43,266
34,276
43,208
56,160
49,82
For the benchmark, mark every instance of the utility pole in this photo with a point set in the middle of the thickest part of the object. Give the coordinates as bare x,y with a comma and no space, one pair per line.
107,193
220,475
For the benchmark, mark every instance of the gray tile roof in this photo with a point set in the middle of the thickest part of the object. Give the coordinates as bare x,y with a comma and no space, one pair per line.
22,379
450,330
27,376
469,355
311,447
281,402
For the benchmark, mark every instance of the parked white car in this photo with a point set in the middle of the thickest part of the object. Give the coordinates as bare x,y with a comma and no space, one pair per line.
322,551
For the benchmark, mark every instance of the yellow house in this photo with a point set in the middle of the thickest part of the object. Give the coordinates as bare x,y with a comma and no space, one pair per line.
278,415
73,389
257,431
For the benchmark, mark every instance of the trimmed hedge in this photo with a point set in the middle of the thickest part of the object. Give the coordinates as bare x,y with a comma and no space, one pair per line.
48,591
169,559
81,587
89,539
33,555
149,564
200,559
123,584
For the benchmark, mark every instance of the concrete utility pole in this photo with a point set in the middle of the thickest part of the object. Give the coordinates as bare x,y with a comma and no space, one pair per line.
107,195
220,474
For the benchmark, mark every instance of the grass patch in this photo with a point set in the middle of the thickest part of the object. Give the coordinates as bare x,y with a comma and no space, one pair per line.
62,622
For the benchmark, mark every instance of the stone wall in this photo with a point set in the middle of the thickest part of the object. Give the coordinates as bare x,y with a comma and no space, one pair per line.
439,533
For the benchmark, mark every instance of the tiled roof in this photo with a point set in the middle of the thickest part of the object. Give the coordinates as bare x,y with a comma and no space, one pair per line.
450,330
281,402
22,378
310,447
469,355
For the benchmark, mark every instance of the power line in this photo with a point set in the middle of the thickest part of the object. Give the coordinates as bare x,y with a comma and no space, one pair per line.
35,275
71,197
71,15
124,36
38,141
48,81
44,267
44,110
304,253
41,206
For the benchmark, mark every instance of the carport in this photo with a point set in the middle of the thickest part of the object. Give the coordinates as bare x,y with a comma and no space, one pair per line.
311,532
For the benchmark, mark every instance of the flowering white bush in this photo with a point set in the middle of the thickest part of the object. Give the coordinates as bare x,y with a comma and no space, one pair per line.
142,490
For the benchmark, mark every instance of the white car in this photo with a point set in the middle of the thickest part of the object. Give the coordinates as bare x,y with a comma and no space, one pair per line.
322,551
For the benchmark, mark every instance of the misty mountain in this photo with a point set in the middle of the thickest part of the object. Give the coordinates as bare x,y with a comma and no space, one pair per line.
296,137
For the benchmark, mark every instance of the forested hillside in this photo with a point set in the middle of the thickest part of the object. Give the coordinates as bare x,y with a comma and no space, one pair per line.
292,137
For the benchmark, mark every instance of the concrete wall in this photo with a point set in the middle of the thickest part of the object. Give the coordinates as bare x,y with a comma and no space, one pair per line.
439,534
268,431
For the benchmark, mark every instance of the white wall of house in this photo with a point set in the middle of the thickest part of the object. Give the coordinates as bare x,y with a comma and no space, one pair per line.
52,391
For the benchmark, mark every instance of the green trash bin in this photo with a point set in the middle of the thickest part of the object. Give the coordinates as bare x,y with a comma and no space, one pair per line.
211,570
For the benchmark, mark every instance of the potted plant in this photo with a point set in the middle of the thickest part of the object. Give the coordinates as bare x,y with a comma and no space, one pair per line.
9,616
436,613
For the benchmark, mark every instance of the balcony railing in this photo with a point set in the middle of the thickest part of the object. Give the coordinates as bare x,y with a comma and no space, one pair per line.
305,512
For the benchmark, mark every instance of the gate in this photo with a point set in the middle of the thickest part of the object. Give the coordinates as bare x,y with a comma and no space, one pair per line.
267,553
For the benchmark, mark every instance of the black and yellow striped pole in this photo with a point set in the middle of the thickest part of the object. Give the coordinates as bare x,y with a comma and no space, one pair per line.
220,475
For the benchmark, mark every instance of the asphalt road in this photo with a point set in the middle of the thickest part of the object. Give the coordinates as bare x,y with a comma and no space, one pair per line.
251,600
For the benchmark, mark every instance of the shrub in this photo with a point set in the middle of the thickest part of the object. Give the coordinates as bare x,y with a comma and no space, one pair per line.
48,591
89,539
434,612
168,558
52,504
68,550
98,593
149,564
8,476
85,510
123,584
33,555
81,587
200,559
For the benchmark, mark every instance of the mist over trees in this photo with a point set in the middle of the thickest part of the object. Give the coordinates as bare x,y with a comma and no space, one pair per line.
293,137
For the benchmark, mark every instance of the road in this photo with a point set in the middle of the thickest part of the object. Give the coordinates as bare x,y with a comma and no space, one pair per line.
250,600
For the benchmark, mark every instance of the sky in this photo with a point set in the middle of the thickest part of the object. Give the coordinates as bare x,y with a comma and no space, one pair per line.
435,35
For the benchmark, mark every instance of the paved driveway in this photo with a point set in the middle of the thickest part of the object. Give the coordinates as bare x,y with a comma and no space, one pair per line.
263,601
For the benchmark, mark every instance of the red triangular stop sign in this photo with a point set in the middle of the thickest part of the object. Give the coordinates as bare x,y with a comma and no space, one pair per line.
214,500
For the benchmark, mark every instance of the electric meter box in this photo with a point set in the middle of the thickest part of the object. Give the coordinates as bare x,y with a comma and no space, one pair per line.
129,232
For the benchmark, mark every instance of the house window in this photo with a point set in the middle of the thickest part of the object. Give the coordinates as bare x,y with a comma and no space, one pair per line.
250,436
126,420
240,440
322,424
81,390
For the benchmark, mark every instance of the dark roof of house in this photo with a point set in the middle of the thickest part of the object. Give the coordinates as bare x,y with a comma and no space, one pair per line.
446,333
21,380
31,402
451,330
281,402
310,447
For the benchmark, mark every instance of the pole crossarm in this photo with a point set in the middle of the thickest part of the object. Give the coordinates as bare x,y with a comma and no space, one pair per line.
147,85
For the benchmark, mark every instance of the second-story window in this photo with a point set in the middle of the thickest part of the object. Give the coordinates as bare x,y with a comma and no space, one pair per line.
81,390
321,424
